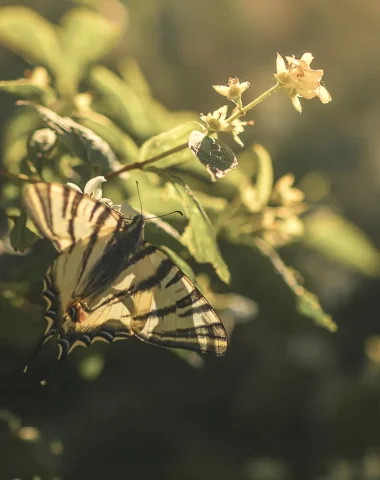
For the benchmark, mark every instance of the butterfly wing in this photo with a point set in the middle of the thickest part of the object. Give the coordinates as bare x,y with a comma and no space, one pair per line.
153,300
143,292
169,311
80,229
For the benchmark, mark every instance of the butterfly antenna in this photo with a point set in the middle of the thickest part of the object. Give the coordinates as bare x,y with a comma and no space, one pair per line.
166,215
138,193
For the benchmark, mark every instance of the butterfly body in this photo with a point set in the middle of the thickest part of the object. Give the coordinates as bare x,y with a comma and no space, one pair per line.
108,283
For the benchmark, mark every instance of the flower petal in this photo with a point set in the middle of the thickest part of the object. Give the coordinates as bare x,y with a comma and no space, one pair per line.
74,187
280,64
307,57
323,94
221,89
93,187
296,103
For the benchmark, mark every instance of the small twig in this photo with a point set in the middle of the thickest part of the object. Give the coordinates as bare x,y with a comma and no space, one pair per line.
148,161
18,176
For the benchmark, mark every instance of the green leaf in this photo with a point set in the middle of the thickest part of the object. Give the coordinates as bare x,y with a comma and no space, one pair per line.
306,302
199,235
24,88
131,72
338,239
16,133
176,137
21,236
27,33
86,36
121,143
264,181
81,141
118,101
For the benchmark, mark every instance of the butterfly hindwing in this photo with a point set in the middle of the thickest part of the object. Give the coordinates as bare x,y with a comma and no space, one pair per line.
172,312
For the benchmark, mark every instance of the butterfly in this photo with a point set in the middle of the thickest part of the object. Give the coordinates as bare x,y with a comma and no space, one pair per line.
107,283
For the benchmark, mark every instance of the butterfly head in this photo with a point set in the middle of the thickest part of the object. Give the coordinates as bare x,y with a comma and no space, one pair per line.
76,312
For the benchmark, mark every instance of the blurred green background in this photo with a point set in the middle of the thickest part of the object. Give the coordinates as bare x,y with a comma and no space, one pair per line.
289,401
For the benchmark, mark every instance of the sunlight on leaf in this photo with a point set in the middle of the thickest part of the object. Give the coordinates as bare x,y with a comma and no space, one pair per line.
118,101
24,88
199,235
29,34
21,236
86,36
166,141
81,141
306,302
121,143
338,239
264,181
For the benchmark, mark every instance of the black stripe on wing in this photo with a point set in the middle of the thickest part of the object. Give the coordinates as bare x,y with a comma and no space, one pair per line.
205,339
121,252
74,207
155,279
93,238
66,196
177,277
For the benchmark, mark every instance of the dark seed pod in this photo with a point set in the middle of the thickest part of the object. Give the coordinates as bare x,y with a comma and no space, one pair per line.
217,157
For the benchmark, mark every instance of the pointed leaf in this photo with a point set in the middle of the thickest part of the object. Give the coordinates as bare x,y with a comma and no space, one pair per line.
24,88
338,239
306,302
118,101
27,33
86,36
199,235
264,180
121,143
21,236
176,137
81,141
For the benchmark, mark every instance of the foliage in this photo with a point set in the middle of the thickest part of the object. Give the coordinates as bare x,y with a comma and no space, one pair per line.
78,119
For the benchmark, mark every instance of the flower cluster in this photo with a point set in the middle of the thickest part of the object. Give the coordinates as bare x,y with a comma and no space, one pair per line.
293,76
217,122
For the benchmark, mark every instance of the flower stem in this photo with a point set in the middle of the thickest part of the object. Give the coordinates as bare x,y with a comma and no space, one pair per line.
148,161
252,104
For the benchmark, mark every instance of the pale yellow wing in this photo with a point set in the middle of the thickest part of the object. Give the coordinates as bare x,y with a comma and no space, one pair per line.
80,229
153,300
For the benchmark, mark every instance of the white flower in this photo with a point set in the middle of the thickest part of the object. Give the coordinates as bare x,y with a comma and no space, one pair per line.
216,122
234,90
93,189
299,80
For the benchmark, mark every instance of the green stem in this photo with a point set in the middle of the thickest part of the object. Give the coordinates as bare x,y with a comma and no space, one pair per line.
252,104
148,161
